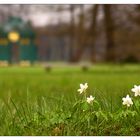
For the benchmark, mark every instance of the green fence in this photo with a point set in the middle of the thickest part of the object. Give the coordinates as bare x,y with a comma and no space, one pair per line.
16,32
27,50
5,50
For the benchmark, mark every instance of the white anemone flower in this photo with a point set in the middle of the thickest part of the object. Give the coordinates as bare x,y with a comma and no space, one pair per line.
90,99
83,88
127,101
136,90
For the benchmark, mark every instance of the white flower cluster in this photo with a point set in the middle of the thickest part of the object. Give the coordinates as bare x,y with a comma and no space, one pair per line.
82,89
128,101
136,90
90,99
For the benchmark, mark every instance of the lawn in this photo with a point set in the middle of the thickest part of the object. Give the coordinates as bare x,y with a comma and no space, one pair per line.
34,101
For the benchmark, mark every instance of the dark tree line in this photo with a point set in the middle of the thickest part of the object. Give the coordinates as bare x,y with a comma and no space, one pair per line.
115,27
120,26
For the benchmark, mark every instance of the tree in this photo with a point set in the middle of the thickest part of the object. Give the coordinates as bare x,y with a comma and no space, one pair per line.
109,30
80,32
72,31
92,31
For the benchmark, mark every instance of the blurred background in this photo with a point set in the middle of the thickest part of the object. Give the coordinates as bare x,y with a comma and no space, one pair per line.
69,33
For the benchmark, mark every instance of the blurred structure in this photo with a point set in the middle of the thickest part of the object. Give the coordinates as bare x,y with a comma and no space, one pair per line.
97,33
17,41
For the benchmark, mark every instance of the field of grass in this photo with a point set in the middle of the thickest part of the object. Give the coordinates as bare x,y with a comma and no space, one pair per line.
36,102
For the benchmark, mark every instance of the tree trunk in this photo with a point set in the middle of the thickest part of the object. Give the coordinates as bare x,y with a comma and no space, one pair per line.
109,30
80,35
92,32
72,32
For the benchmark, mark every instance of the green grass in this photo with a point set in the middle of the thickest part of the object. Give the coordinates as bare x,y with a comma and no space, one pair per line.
36,102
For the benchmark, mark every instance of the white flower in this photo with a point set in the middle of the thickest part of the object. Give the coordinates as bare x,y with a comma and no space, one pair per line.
83,88
90,99
136,90
127,101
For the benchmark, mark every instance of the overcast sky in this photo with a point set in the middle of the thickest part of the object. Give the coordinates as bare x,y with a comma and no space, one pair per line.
40,15
40,19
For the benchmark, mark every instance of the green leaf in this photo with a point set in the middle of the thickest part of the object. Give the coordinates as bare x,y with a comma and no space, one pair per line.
85,106
96,106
